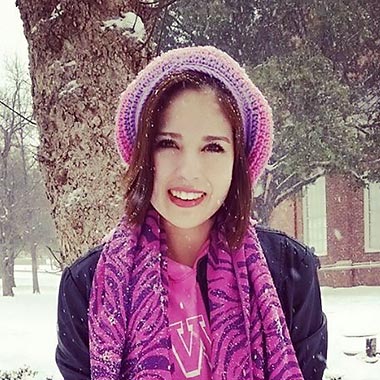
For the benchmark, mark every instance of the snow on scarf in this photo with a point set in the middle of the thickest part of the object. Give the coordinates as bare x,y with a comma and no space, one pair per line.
128,323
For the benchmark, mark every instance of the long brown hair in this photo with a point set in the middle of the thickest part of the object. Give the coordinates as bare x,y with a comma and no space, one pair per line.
235,211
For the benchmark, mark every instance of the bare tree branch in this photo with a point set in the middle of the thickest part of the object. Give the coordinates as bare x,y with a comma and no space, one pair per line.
161,32
18,113
60,263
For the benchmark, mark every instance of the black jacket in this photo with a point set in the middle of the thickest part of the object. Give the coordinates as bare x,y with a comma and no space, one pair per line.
293,268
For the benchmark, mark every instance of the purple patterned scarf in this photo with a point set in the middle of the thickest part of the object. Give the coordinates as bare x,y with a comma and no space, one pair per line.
128,323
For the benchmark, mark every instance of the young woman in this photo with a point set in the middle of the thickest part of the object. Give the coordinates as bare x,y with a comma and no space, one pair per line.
188,286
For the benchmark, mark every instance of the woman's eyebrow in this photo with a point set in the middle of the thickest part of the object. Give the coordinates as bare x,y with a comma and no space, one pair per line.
169,134
205,138
213,138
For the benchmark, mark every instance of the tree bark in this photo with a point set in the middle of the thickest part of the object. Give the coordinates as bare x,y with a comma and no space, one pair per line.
79,67
33,253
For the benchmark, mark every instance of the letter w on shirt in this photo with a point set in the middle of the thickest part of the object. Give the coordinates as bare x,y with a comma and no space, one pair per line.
189,340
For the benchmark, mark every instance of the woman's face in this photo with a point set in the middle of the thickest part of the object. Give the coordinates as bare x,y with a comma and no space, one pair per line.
193,159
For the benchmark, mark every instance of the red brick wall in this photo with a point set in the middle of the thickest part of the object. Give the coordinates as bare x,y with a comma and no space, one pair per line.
345,233
345,238
336,278
365,276
349,277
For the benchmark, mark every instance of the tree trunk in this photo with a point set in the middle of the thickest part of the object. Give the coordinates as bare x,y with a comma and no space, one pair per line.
12,268
7,276
79,66
263,201
33,253
262,210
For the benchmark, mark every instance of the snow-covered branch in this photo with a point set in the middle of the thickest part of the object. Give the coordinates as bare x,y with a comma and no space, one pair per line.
286,180
357,175
150,3
57,11
298,186
275,165
130,24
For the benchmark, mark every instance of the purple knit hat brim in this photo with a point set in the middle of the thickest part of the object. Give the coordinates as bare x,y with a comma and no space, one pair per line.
255,111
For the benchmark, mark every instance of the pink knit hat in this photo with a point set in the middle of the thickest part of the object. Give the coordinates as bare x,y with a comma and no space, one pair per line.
254,109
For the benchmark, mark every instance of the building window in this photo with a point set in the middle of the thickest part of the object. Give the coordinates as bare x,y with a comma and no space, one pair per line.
314,216
372,217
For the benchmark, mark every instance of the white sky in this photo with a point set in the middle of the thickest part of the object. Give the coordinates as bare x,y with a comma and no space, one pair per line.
12,39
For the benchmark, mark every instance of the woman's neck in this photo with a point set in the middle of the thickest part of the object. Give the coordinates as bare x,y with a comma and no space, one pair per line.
184,244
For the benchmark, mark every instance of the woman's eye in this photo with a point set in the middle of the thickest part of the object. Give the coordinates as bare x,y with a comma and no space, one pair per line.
214,147
166,143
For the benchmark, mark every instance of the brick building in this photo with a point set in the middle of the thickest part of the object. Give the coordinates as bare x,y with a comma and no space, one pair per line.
342,223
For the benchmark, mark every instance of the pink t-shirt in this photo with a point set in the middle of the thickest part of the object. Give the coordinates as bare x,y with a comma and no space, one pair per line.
189,325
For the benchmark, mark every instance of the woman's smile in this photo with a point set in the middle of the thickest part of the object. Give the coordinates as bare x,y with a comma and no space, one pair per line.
184,198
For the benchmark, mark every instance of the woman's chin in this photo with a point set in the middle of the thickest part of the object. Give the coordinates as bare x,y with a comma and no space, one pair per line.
186,221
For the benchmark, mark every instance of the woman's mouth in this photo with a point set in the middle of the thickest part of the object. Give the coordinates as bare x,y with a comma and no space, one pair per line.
184,198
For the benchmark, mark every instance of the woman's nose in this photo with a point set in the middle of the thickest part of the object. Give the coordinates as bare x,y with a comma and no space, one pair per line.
189,165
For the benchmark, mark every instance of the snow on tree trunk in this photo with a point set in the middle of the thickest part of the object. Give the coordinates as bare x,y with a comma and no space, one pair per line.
82,56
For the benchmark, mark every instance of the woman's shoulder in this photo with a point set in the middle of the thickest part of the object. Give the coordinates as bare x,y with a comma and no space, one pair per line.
88,261
286,255
80,273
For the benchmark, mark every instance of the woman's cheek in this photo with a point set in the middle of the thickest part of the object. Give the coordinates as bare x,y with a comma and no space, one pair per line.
163,166
223,168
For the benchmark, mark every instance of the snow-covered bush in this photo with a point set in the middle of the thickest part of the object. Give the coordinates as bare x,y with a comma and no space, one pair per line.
24,373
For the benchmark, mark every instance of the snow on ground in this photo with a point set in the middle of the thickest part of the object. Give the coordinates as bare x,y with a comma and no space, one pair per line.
28,328
351,311
28,325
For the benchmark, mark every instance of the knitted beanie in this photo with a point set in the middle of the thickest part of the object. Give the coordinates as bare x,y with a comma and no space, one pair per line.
254,109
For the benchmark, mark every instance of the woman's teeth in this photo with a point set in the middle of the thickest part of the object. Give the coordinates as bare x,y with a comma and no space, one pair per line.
185,195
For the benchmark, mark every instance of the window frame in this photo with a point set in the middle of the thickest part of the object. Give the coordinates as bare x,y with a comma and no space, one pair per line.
367,216
306,218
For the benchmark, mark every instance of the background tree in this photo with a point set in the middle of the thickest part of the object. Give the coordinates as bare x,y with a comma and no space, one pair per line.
315,127
346,32
25,221
12,95
82,56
